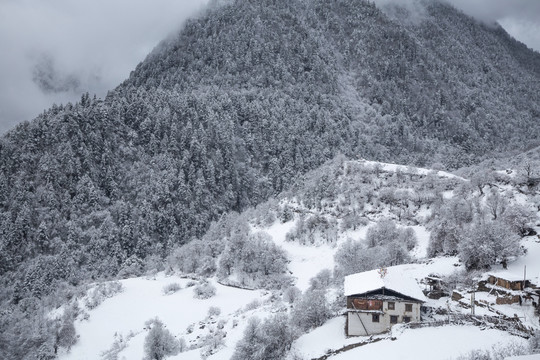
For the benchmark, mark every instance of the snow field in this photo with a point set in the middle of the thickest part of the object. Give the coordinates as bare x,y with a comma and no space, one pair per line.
141,300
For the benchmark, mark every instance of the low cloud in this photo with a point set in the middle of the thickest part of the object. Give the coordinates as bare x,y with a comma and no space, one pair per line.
54,50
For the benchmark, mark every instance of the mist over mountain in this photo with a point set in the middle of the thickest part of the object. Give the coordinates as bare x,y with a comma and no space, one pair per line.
232,109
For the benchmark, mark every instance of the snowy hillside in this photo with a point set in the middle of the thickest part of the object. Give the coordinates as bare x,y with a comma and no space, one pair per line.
210,310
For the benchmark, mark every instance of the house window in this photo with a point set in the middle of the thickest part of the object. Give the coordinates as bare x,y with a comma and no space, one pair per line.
375,317
393,319
408,307
391,305
406,319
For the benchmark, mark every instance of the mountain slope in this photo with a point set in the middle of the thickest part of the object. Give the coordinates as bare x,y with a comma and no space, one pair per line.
244,99
231,111
312,223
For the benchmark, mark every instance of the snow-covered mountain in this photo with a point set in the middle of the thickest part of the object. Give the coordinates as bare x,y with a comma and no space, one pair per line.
180,168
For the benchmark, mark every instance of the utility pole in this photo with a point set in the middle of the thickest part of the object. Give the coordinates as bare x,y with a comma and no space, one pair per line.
524,277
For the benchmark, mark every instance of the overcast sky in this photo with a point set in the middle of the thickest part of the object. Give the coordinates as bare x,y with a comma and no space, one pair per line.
54,50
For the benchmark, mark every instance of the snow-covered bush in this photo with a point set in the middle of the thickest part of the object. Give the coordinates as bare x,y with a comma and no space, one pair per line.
285,214
66,335
159,343
353,257
255,260
212,342
488,243
171,288
311,311
321,281
252,305
534,342
269,340
101,292
519,218
444,239
386,231
460,280
314,230
292,294
213,311
352,221
193,258
119,344
204,290
498,352
265,213
133,266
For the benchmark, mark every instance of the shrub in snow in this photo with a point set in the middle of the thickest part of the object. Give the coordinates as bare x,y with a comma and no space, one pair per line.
460,280
253,305
133,266
212,342
407,237
353,257
159,343
352,221
118,346
66,336
46,352
444,239
514,348
204,290
315,229
518,218
182,345
321,281
286,214
171,288
101,292
270,340
213,311
311,311
534,342
381,233
498,352
255,260
291,294
485,244
264,214
191,283
454,215
194,257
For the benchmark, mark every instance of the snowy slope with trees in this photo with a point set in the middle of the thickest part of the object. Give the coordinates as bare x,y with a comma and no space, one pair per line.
298,262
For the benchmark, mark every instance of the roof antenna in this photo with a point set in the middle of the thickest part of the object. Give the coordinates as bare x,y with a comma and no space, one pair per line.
382,273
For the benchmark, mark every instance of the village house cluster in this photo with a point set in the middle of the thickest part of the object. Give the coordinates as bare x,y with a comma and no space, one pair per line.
379,299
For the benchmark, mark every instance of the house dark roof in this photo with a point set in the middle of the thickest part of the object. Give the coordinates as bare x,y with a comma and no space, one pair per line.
370,281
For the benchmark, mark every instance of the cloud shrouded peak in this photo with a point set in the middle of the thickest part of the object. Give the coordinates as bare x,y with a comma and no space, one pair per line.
53,51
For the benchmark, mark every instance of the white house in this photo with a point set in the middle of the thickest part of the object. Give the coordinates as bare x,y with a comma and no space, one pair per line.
378,299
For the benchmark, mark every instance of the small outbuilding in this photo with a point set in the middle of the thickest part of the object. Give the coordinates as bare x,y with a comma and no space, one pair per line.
509,281
379,299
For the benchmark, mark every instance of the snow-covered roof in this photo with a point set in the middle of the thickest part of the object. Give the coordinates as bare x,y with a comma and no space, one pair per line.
509,276
395,279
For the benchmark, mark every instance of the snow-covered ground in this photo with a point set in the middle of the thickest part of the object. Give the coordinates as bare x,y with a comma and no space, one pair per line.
445,342
142,299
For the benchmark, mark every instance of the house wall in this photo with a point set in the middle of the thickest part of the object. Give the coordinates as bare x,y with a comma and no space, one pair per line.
507,284
355,328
